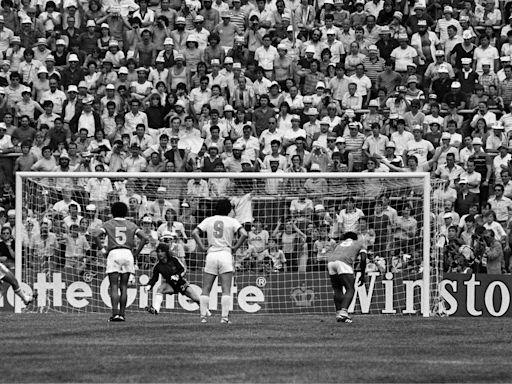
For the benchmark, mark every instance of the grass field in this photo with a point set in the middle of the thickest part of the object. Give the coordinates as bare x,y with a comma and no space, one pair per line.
177,348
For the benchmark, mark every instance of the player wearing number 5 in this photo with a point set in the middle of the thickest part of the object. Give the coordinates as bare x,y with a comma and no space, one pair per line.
220,231
120,235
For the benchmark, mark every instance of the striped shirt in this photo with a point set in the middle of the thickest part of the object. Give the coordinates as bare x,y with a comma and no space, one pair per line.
506,92
238,18
355,145
372,69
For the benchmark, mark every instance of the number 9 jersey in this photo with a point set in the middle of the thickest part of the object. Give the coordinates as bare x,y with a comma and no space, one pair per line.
120,234
221,231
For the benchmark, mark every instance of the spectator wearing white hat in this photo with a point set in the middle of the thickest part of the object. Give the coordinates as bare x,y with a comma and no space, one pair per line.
403,54
426,54
180,35
433,68
73,73
466,76
226,29
443,23
200,32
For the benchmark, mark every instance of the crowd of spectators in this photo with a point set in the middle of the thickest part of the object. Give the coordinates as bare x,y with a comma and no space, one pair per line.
262,86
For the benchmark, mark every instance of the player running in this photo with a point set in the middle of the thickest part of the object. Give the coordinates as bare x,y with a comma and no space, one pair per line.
172,271
6,276
120,234
340,266
220,230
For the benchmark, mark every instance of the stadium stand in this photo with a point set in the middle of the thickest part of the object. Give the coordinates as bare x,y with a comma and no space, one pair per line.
264,86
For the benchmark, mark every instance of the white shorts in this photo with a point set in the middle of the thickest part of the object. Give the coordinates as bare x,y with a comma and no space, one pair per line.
218,262
3,271
120,261
339,267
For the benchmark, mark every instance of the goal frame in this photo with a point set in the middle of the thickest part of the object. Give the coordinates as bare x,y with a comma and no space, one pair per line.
424,176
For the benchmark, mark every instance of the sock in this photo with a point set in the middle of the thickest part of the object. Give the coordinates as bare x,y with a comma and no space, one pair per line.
22,295
226,305
344,311
158,301
204,302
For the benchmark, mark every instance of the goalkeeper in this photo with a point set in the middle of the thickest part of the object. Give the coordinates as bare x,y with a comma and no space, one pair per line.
340,264
173,272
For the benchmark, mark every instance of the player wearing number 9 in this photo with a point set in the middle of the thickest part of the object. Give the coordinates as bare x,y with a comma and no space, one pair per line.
221,231
120,235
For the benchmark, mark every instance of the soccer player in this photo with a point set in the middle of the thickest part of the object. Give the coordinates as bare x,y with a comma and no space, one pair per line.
341,271
172,271
220,230
120,261
6,276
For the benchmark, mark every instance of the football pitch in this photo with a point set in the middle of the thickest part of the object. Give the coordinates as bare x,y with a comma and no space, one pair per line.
300,348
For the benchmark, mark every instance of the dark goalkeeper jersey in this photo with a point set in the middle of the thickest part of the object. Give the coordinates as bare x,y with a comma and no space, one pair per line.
167,270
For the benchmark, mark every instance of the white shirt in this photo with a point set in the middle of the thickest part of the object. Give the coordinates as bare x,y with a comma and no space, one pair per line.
401,141
221,231
403,57
265,57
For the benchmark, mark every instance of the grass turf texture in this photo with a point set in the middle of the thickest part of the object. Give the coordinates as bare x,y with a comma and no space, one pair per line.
177,348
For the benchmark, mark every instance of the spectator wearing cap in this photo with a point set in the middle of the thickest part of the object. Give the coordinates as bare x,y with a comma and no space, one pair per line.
403,54
88,119
443,24
88,40
179,35
354,141
426,54
463,50
467,77
200,33
27,106
443,83
373,65
455,98
14,54
73,73
226,30
433,68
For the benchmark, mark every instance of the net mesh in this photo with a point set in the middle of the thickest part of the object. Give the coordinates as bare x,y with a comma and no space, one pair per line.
280,269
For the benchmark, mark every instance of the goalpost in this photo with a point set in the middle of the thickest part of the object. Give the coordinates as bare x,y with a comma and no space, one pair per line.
309,210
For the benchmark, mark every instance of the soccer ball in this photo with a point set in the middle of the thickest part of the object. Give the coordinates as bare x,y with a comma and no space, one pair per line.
132,282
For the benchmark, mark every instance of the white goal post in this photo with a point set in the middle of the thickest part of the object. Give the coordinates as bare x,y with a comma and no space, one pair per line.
402,188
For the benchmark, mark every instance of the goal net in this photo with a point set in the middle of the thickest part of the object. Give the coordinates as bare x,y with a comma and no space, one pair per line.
292,220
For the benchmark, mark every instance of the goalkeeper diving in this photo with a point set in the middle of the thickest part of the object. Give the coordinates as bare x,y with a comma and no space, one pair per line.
172,271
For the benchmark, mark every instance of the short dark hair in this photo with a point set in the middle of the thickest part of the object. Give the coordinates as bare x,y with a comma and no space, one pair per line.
119,209
223,207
